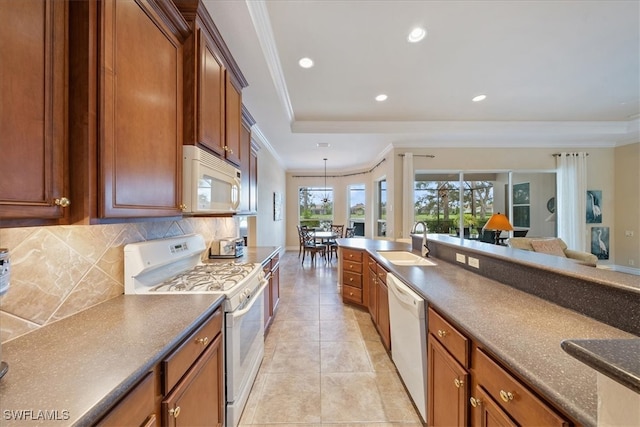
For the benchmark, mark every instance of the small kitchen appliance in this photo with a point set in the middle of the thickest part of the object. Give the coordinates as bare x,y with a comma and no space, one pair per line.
5,274
227,247
175,266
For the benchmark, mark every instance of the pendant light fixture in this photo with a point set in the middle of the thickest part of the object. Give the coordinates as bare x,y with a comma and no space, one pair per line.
326,195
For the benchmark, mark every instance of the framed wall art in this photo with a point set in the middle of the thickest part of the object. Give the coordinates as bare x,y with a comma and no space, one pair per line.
277,206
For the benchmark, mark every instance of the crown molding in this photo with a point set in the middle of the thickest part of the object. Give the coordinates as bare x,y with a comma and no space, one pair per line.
262,25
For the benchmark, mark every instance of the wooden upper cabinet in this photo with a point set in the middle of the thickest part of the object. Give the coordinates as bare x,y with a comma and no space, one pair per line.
233,121
213,85
140,94
125,98
33,113
204,100
248,165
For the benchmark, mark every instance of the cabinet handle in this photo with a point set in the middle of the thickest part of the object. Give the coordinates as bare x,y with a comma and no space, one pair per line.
63,202
183,207
174,412
442,333
350,293
202,341
350,255
506,396
475,402
351,279
458,383
351,266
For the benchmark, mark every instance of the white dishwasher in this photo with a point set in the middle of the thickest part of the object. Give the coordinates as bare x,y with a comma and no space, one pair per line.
408,339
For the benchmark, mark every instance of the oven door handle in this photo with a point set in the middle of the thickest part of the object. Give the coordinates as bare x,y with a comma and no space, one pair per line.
254,297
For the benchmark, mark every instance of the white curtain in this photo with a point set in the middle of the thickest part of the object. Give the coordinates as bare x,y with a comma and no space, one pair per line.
572,199
408,208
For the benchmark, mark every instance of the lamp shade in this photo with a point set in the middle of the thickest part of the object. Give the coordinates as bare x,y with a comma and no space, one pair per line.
498,221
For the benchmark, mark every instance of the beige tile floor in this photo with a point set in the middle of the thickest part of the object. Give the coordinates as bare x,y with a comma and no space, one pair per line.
324,364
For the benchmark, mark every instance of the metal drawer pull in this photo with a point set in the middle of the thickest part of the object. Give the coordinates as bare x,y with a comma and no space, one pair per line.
203,341
441,333
506,395
174,412
458,383
475,402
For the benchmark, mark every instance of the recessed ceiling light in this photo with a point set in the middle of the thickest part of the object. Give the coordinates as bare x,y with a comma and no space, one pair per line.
416,35
305,62
381,97
479,98
323,145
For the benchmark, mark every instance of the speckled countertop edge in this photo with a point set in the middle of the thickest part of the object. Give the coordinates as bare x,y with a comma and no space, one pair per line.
522,330
84,364
617,359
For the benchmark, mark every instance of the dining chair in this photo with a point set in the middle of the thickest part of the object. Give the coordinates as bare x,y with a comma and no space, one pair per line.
333,245
349,232
311,246
300,238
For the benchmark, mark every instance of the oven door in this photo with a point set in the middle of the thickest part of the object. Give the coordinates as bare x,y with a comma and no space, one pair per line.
244,347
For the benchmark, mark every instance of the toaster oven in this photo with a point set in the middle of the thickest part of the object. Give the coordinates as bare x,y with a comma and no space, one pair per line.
227,247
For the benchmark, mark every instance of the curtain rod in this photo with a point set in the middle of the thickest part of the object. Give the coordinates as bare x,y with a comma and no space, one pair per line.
567,154
341,176
431,156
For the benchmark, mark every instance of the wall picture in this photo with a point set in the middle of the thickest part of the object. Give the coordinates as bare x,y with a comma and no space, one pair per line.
594,210
600,242
277,206
521,217
521,194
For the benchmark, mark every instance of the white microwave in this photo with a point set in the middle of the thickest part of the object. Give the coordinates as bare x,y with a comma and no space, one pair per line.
209,184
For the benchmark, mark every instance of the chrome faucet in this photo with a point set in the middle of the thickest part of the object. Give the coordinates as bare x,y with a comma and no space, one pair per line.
425,230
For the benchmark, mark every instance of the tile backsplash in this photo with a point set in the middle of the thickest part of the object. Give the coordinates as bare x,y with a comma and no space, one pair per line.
60,270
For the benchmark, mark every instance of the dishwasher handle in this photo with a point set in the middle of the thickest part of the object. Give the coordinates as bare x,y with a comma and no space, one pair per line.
402,292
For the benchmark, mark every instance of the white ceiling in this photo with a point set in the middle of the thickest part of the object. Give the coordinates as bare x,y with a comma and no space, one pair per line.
556,73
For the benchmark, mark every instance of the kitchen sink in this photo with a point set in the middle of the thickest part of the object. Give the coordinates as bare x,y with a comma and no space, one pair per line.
405,258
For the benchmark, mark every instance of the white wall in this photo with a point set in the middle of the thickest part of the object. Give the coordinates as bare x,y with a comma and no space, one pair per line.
263,229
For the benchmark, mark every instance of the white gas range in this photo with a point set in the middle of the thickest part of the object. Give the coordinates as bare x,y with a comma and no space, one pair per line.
175,266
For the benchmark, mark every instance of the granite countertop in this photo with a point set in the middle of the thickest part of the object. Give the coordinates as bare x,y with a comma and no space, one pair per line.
255,254
81,365
617,359
525,332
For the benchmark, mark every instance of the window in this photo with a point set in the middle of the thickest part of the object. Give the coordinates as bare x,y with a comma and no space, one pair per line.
316,206
381,214
437,201
356,194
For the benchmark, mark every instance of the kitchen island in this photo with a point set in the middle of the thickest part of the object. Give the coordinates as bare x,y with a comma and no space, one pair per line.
523,331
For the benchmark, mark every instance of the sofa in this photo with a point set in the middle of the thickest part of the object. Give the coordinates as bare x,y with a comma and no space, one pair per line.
552,246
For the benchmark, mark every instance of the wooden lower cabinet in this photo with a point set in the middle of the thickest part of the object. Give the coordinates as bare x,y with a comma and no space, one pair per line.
447,391
196,399
271,270
488,413
383,325
351,276
136,409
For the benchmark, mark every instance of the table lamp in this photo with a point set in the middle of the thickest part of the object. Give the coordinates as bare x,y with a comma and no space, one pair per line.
498,222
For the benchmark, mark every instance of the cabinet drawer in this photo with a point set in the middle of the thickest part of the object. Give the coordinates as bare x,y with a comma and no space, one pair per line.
352,279
177,363
352,294
455,343
137,408
275,260
513,396
348,265
382,274
351,255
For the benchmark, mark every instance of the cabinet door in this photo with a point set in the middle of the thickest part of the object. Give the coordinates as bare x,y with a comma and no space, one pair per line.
136,409
233,121
267,302
210,96
373,295
141,111
447,387
383,314
32,109
197,400
486,413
